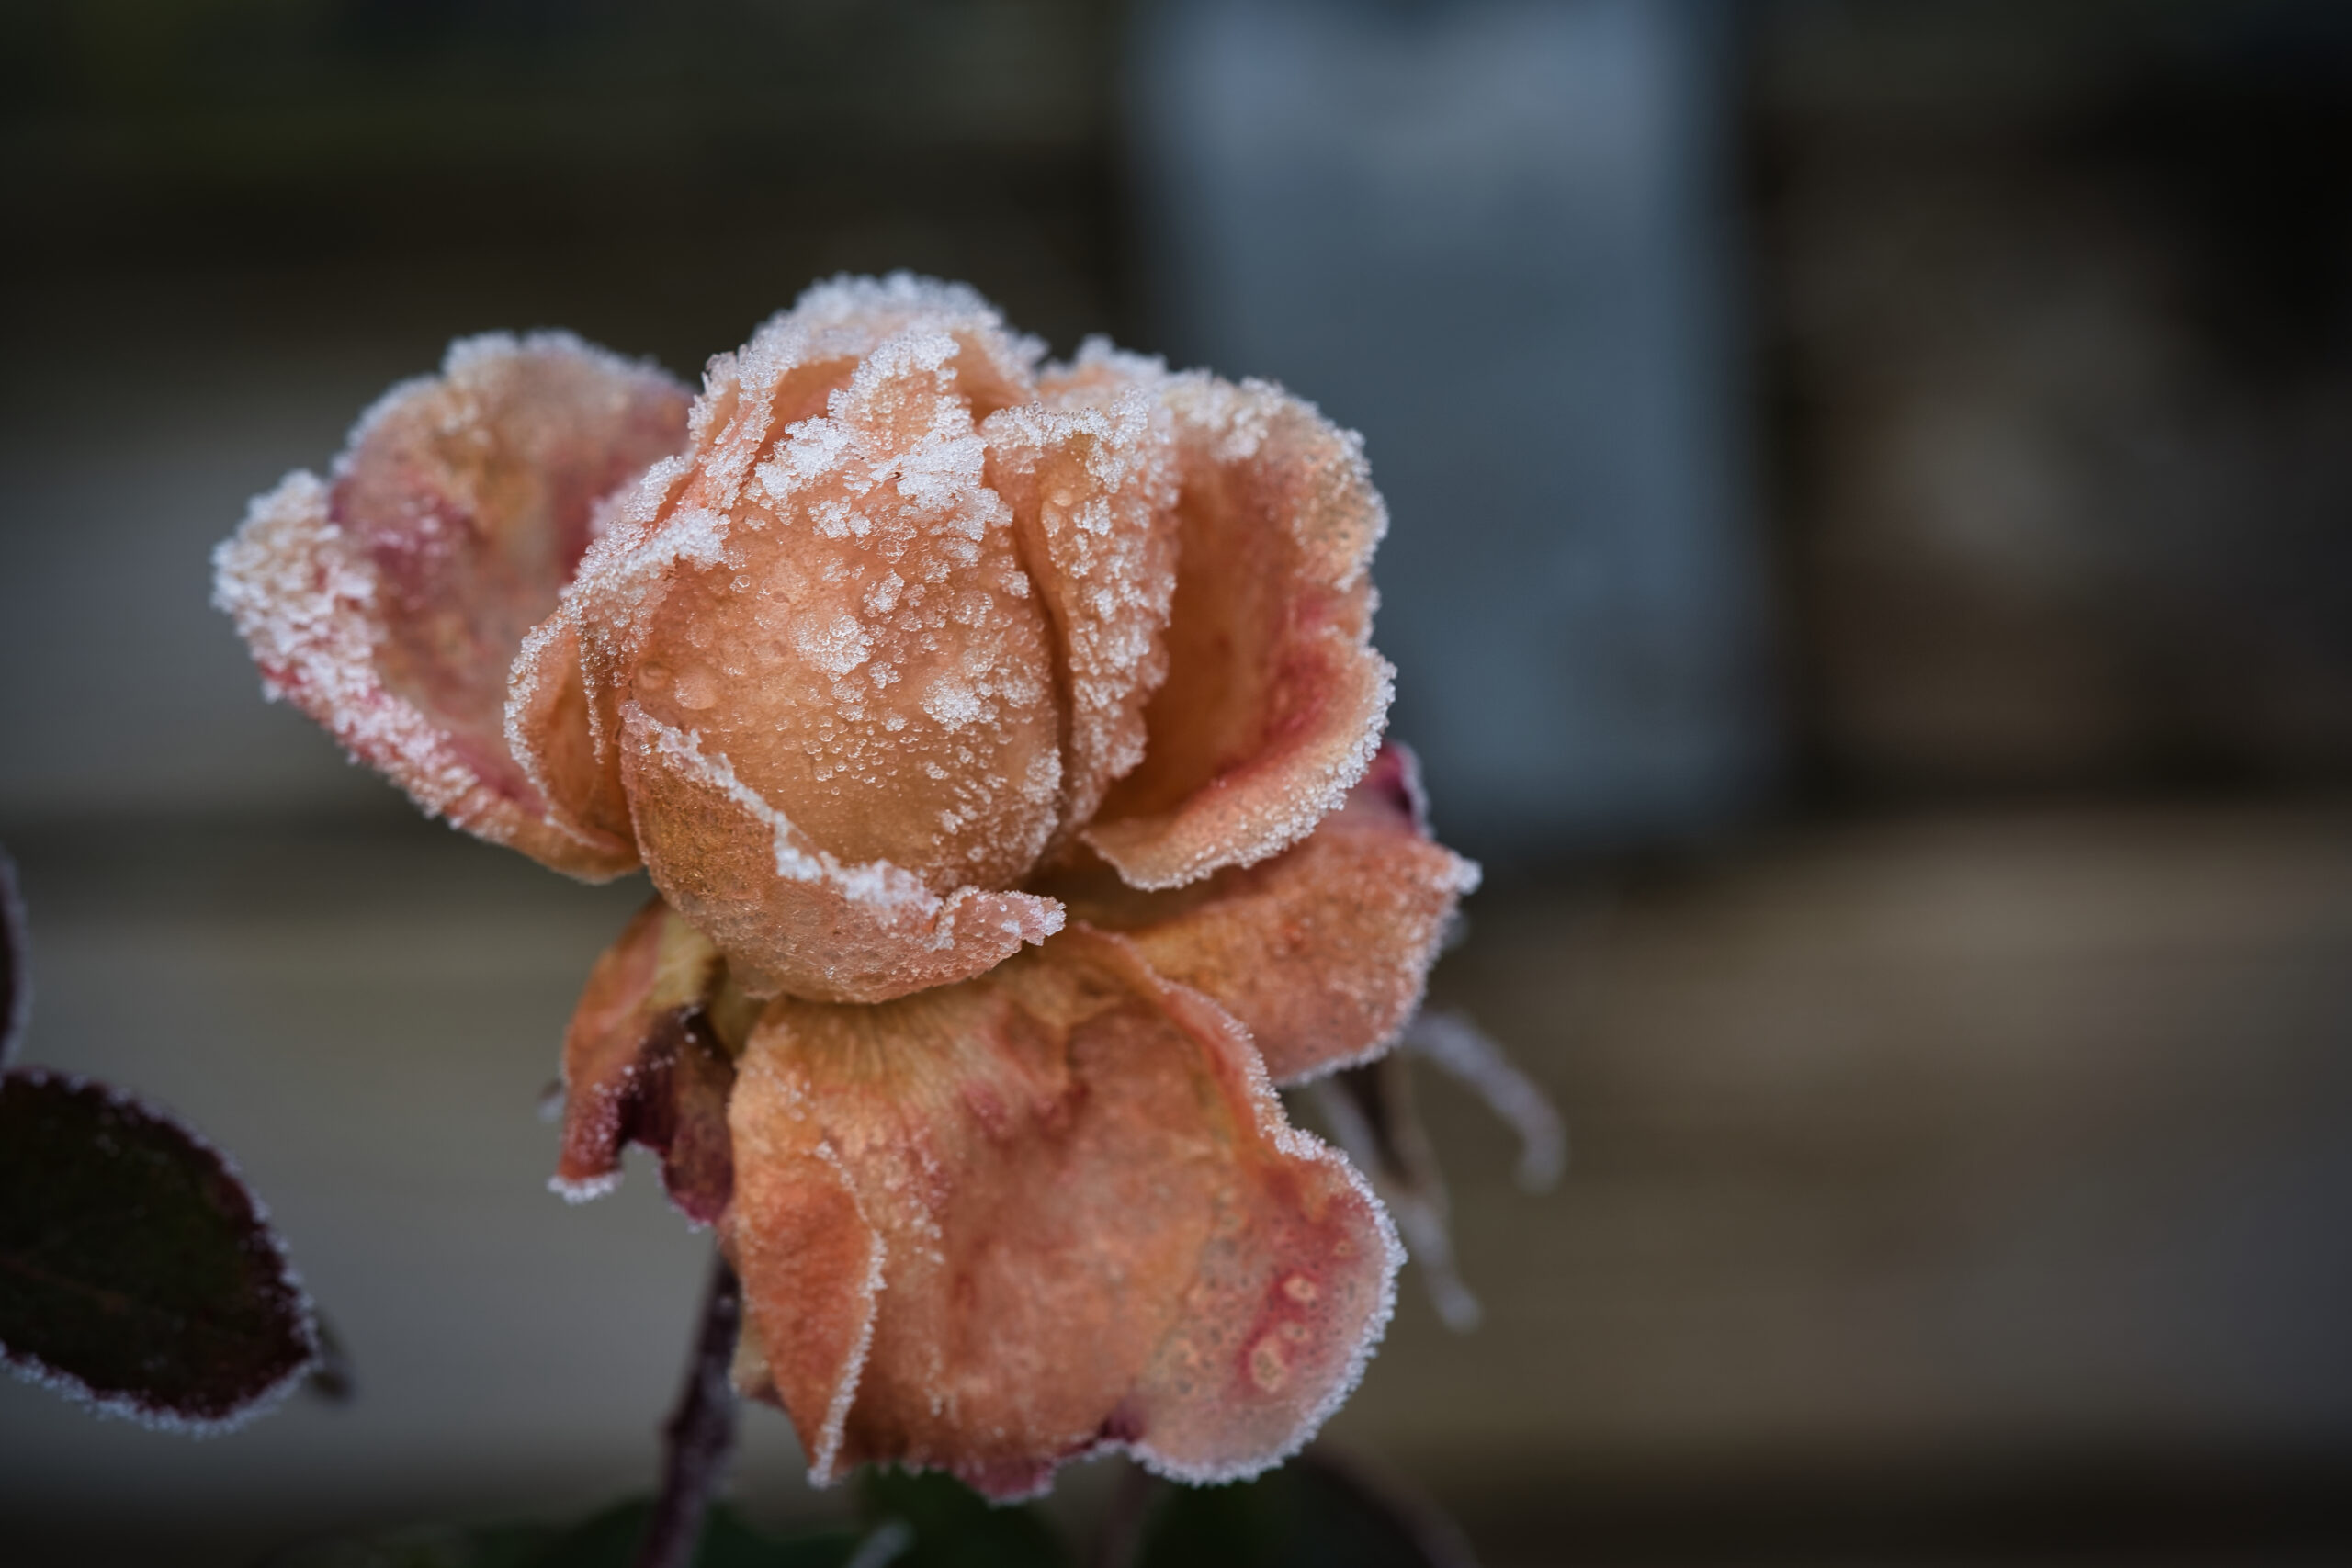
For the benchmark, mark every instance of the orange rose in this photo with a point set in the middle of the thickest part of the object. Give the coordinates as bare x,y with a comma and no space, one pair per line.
1003,741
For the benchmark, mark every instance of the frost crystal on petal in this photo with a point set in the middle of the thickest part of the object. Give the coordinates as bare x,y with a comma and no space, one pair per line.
646,1060
1275,700
1092,491
1321,950
391,602
791,916
1094,1227
829,597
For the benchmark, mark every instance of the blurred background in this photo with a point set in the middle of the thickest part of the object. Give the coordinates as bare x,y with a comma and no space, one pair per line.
1871,572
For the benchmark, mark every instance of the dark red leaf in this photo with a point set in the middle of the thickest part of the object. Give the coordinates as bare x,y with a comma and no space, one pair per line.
135,1271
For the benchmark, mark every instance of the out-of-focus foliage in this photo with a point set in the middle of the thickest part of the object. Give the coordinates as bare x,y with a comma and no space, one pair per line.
953,1527
607,1539
1314,1512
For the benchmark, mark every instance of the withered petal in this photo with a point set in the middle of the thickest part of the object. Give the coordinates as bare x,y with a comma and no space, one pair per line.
1093,1226
390,604
1275,699
643,1063
1322,951
791,917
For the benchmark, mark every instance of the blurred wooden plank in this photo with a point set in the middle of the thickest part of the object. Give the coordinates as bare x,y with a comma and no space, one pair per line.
1913,1162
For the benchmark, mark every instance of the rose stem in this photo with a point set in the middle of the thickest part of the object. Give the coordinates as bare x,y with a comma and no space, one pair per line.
700,1435
1122,1533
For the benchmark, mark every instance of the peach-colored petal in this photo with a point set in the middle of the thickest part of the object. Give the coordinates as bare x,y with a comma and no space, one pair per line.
820,622
1320,951
560,740
1092,491
812,1264
862,644
644,1063
390,605
1275,699
791,917
1093,1228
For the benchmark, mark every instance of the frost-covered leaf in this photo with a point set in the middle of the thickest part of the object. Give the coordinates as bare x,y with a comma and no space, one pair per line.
15,973
135,1271
1316,1512
951,1525
1474,1059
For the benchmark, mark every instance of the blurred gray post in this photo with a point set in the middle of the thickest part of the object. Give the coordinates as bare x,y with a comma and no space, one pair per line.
1496,237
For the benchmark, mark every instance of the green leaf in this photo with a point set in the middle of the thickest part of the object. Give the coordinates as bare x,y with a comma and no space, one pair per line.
494,1546
611,1538
954,1527
135,1271
608,1538
1314,1512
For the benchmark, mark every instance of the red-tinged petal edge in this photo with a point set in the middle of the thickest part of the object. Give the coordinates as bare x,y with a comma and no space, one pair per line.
792,919
645,1061
389,603
1275,700
1322,951
1055,1209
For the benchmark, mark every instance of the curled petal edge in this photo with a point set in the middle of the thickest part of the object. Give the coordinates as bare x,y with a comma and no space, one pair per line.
646,1061
1290,1255
306,607
1323,951
1275,699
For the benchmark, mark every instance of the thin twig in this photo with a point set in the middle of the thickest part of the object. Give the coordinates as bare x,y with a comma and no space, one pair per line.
700,1435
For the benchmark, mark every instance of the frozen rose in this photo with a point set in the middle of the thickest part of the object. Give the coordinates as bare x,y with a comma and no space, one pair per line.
1002,740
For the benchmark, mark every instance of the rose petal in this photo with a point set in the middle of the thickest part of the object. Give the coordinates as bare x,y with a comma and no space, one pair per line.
1275,699
564,743
644,1062
1320,951
791,917
825,604
1093,1226
390,605
864,647
1092,493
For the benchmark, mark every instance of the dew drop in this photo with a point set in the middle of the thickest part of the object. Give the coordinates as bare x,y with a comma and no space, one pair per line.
698,688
